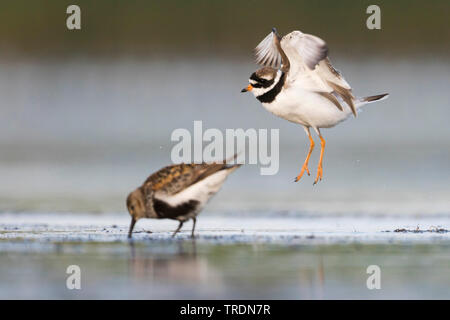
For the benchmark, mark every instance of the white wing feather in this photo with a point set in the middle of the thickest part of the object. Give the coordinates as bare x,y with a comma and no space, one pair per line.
310,67
326,71
306,48
310,49
266,52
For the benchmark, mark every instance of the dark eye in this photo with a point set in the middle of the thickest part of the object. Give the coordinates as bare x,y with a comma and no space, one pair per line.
132,208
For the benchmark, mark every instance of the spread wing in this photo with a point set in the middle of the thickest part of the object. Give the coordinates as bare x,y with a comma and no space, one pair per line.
308,65
266,52
312,69
304,49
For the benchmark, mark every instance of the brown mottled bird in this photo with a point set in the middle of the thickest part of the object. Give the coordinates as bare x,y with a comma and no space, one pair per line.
177,192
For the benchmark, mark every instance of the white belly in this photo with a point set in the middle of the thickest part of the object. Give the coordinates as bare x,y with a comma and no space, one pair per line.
307,108
201,191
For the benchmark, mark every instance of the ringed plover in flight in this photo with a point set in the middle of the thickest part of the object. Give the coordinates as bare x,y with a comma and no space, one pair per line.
177,192
298,83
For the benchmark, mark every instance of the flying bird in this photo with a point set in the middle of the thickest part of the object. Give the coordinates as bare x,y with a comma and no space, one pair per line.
177,192
298,83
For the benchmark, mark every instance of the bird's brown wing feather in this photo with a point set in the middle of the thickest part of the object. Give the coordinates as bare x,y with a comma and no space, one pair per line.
175,178
346,95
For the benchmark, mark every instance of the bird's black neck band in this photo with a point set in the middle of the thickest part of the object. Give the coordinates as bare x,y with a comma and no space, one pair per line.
270,95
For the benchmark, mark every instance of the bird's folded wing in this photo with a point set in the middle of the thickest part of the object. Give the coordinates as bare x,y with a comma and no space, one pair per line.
326,71
173,179
334,80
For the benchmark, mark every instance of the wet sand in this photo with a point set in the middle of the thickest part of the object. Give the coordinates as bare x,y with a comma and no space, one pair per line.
229,229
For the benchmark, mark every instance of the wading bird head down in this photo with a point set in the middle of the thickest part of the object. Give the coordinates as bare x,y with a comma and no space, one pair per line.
298,83
177,192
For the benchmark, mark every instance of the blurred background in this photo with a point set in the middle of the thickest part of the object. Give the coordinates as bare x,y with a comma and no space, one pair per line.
87,115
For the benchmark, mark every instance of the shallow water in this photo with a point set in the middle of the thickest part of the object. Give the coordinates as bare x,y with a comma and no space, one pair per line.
268,257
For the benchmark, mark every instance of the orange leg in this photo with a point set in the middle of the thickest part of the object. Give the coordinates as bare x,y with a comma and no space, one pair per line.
319,167
305,164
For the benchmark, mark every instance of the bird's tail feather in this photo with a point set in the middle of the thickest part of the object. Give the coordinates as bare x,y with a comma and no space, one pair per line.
366,100
377,97
229,163
232,167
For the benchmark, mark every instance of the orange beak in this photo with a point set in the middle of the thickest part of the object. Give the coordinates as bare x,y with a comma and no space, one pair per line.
249,88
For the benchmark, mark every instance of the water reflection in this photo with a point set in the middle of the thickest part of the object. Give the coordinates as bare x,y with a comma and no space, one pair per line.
182,265
195,270
243,271
311,281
